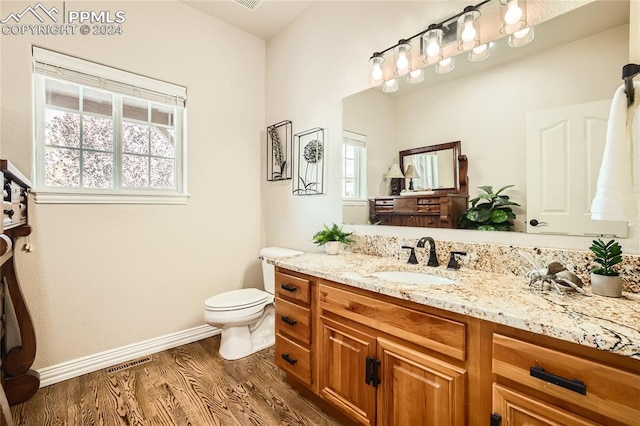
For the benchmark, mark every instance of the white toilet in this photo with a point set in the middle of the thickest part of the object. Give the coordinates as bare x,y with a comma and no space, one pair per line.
246,316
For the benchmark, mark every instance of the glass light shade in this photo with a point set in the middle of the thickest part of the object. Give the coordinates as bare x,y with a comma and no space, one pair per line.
521,38
394,172
390,86
411,172
468,34
479,53
415,76
514,17
444,66
376,73
432,45
402,57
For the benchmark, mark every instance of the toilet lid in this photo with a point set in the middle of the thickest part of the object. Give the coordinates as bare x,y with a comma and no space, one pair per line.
236,299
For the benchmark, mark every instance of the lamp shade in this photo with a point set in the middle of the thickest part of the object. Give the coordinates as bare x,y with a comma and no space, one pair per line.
394,172
411,172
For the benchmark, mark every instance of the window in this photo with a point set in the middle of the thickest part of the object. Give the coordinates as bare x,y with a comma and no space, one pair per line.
106,135
354,176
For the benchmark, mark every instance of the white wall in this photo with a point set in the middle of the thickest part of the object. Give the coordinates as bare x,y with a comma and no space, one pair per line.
102,277
321,58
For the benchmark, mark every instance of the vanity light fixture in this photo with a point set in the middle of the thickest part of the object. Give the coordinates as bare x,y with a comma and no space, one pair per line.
432,44
415,76
514,17
403,61
521,38
444,66
480,53
468,36
390,86
375,69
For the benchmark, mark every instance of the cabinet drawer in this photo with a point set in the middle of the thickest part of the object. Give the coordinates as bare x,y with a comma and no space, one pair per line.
293,320
292,288
606,390
431,331
293,358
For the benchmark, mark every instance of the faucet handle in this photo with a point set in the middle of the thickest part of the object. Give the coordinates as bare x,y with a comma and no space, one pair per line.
453,261
412,257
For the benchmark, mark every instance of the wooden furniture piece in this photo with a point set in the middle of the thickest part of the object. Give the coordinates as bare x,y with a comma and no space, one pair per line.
19,381
439,207
378,360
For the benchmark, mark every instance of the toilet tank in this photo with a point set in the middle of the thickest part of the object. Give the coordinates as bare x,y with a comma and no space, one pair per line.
268,269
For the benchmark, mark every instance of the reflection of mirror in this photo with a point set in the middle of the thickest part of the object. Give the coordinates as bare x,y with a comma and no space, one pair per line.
436,166
576,58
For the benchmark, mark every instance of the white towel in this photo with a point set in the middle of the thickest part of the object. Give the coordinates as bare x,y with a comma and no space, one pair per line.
615,197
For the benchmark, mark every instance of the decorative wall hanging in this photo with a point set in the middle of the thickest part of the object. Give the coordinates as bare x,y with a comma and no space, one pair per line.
309,167
279,151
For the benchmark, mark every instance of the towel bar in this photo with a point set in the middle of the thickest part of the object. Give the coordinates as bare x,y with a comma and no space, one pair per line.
628,72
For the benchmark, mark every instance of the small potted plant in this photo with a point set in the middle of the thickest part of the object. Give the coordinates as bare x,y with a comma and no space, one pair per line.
606,281
332,238
490,211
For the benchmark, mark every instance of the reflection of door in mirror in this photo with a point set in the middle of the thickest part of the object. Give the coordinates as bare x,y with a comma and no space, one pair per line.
354,178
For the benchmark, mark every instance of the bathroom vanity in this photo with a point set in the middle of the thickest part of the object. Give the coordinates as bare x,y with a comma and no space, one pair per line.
486,349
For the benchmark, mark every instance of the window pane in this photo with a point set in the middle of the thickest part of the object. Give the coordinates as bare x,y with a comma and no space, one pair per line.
61,94
97,170
162,114
135,138
135,109
135,171
97,133
162,142
349,189
61,128
349,168
62,167
162,173
97,102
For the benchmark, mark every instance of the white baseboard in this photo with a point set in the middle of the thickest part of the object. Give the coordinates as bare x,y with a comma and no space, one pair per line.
77,367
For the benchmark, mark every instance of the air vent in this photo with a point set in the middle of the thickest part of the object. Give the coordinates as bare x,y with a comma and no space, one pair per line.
249,4
128,364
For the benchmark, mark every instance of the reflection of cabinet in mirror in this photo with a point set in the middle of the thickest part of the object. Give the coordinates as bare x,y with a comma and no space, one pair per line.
441,194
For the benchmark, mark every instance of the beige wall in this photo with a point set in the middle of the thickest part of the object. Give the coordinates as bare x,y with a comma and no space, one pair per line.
104,276
322,58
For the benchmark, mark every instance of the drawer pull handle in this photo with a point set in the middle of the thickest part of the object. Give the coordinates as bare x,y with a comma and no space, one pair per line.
290,360
574,385
289,321
289,288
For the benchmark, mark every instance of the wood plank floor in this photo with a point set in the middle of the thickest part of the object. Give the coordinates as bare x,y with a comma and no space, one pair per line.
187,385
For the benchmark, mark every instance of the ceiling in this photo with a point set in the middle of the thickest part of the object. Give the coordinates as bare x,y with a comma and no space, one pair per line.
264,22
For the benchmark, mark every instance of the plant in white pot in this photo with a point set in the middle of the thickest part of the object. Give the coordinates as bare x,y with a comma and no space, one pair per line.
605,280
332,238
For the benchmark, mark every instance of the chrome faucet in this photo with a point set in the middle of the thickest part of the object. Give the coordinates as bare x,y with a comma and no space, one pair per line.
433,258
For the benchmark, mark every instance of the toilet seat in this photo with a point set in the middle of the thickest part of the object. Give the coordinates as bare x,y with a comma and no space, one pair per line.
236,300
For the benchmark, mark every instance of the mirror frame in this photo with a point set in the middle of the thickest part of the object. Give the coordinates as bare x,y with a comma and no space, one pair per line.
457,158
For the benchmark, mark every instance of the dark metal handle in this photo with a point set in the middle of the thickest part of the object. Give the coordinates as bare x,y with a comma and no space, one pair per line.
535,222
289,321
290,360
368,373
574,385
9,213
496,419
289,288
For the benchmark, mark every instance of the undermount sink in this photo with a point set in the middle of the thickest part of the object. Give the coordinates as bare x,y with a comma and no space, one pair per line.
413,277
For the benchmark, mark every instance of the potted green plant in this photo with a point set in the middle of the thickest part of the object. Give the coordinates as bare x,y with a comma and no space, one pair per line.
490,211
605,280
332,238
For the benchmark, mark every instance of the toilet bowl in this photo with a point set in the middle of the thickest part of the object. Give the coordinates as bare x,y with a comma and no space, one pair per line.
246,316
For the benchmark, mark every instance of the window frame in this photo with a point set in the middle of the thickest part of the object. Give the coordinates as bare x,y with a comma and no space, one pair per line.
118,194
360,166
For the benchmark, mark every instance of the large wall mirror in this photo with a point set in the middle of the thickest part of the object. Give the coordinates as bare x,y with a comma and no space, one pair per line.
575,59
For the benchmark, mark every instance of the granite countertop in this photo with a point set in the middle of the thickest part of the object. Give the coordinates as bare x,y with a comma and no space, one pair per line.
609,324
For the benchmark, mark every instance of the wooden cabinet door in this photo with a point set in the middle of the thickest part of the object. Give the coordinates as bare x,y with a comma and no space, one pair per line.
518,409
342,370
417,389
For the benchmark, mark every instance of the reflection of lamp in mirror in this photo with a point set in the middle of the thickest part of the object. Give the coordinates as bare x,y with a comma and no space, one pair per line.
444,66
376,74
390,86
468,37
521,38
479,53
514,17
395,174
415,76
411,173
